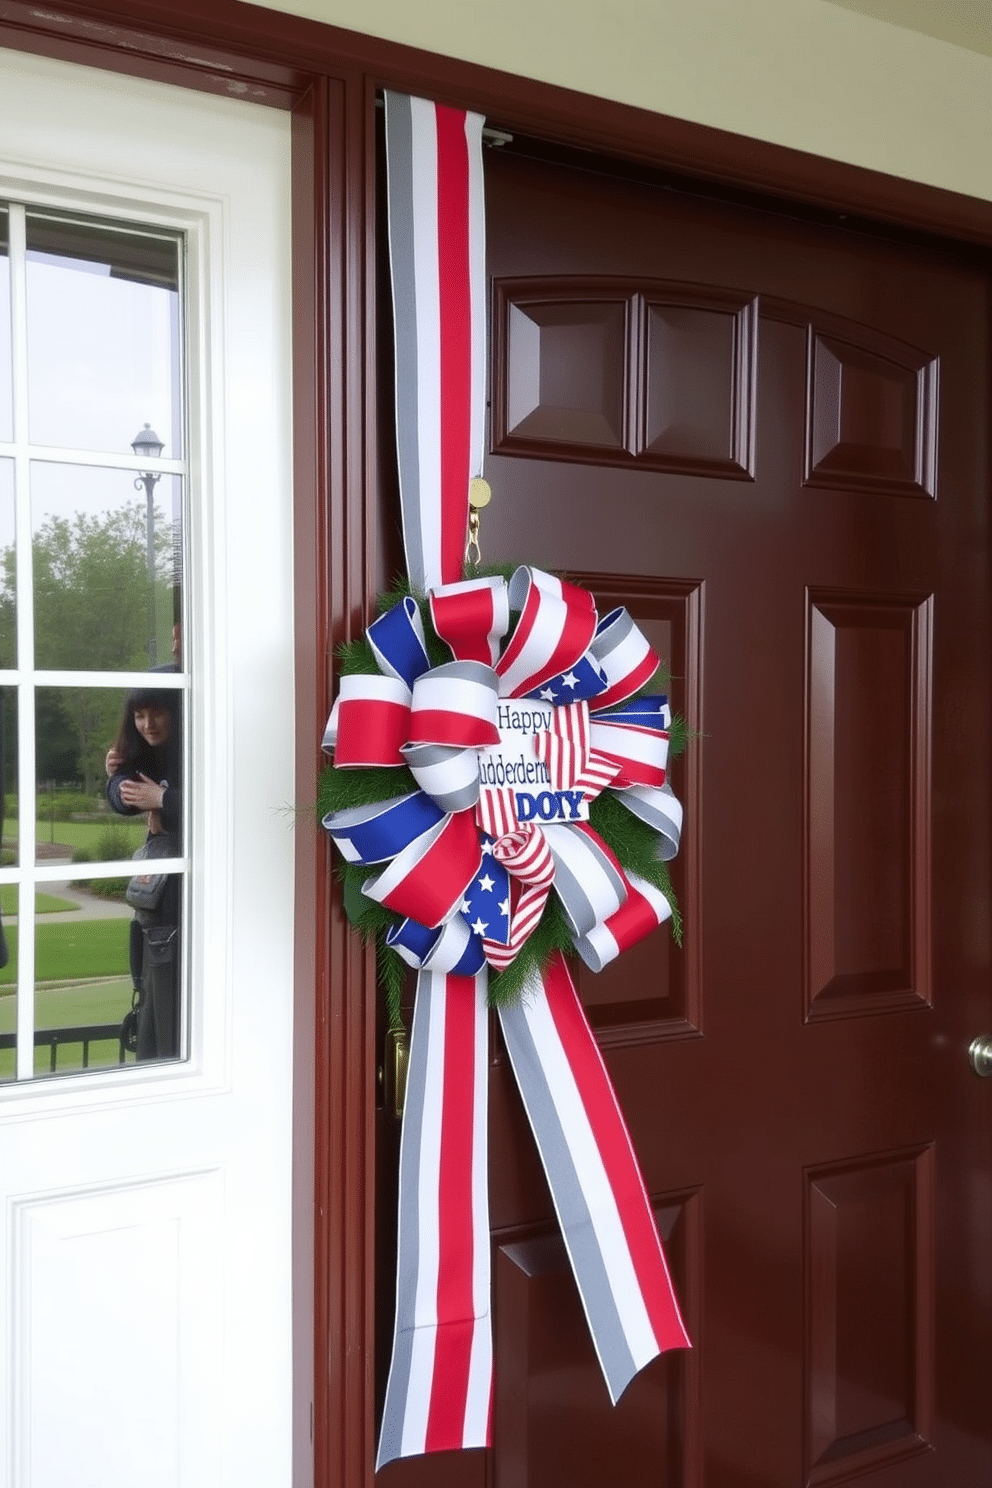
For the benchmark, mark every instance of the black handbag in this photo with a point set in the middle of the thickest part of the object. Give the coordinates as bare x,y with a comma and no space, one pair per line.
129,1025
145,890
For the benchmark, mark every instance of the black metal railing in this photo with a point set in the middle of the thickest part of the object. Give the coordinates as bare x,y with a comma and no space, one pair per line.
54,1039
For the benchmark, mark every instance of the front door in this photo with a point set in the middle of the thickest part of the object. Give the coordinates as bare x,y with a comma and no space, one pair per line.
768,438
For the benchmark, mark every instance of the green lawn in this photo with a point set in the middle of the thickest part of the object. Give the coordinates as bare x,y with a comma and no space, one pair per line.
43,903
82,834
73,951
69,1007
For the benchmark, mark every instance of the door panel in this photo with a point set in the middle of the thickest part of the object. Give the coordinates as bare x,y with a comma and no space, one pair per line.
146,1245
767,438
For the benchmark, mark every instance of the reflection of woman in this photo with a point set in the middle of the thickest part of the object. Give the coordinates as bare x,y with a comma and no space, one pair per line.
144,766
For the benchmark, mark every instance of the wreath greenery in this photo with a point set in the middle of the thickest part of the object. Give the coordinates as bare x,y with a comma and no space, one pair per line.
632,841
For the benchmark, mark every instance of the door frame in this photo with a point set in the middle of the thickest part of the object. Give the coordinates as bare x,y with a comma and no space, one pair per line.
328,78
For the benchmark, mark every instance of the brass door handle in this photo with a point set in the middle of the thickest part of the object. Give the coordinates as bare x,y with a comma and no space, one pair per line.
396,1057
980,1055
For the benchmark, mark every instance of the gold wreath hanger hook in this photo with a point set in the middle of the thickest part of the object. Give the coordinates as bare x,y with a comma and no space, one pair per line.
479,497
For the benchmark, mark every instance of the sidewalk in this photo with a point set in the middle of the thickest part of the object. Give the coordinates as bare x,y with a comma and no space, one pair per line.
89,906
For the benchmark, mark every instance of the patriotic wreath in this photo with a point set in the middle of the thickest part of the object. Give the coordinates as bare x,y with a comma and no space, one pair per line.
500,759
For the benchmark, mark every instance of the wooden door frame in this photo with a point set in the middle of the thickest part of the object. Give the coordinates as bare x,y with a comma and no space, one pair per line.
328,78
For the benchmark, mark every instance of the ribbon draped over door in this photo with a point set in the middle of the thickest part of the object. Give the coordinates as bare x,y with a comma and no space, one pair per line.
456,848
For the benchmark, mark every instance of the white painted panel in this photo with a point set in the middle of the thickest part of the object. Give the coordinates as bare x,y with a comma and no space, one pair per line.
191,1162
118,1336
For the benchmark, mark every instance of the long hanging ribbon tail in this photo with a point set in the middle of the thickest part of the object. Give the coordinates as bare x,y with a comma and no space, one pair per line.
439,1394
594,1177
440,1382
436,248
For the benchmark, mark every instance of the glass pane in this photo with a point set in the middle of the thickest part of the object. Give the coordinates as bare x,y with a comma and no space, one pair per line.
6,398
8,994
107,569
82,984
85,735
95,965
8,587
8,780
103,335
109,778
8,892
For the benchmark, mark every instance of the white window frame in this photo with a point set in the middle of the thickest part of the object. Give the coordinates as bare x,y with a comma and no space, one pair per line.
208,857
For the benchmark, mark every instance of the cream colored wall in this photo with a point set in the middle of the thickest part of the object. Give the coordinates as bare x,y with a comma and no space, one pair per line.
804,73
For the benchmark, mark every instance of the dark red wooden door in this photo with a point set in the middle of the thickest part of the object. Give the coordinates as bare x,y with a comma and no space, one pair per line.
768,439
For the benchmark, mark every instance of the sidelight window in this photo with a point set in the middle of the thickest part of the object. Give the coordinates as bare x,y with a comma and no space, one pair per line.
94,691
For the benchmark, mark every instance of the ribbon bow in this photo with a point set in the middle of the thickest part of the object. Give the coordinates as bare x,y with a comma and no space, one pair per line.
441,721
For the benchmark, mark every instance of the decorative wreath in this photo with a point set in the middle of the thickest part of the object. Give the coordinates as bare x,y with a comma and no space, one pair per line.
445,862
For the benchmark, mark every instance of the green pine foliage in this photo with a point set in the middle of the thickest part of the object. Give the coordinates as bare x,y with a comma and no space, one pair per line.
356,657
373,921
338,790
552,934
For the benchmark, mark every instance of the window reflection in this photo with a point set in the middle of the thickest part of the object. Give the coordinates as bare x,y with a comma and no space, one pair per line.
145,783
75,729
107,568
8,580
103,334
8,779
105,943
8,891
106,987
93,972
6,383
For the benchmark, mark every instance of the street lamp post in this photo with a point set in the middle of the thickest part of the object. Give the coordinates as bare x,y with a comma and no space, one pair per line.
147,443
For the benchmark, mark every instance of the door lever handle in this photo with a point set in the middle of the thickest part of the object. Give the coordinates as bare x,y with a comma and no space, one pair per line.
980,1055
396,1057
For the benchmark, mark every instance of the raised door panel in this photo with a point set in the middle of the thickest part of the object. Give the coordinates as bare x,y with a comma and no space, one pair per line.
868,803
648,374
550,1411
872,412
653,991
870,1311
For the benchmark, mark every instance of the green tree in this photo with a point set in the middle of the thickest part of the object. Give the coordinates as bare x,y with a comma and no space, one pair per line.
93,612
91,590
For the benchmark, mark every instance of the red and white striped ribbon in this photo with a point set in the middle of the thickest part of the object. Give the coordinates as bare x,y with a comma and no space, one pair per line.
369,721
439,1392
565,745
440,1381
455,705
437,261
566,748
427,879
557,622
526,856
472,617
496,811
625,657
643,910
641,754
596,1184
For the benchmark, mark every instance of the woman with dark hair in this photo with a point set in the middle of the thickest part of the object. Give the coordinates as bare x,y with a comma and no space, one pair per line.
144,768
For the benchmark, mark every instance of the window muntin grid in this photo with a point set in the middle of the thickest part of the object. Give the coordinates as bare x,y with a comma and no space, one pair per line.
92,545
